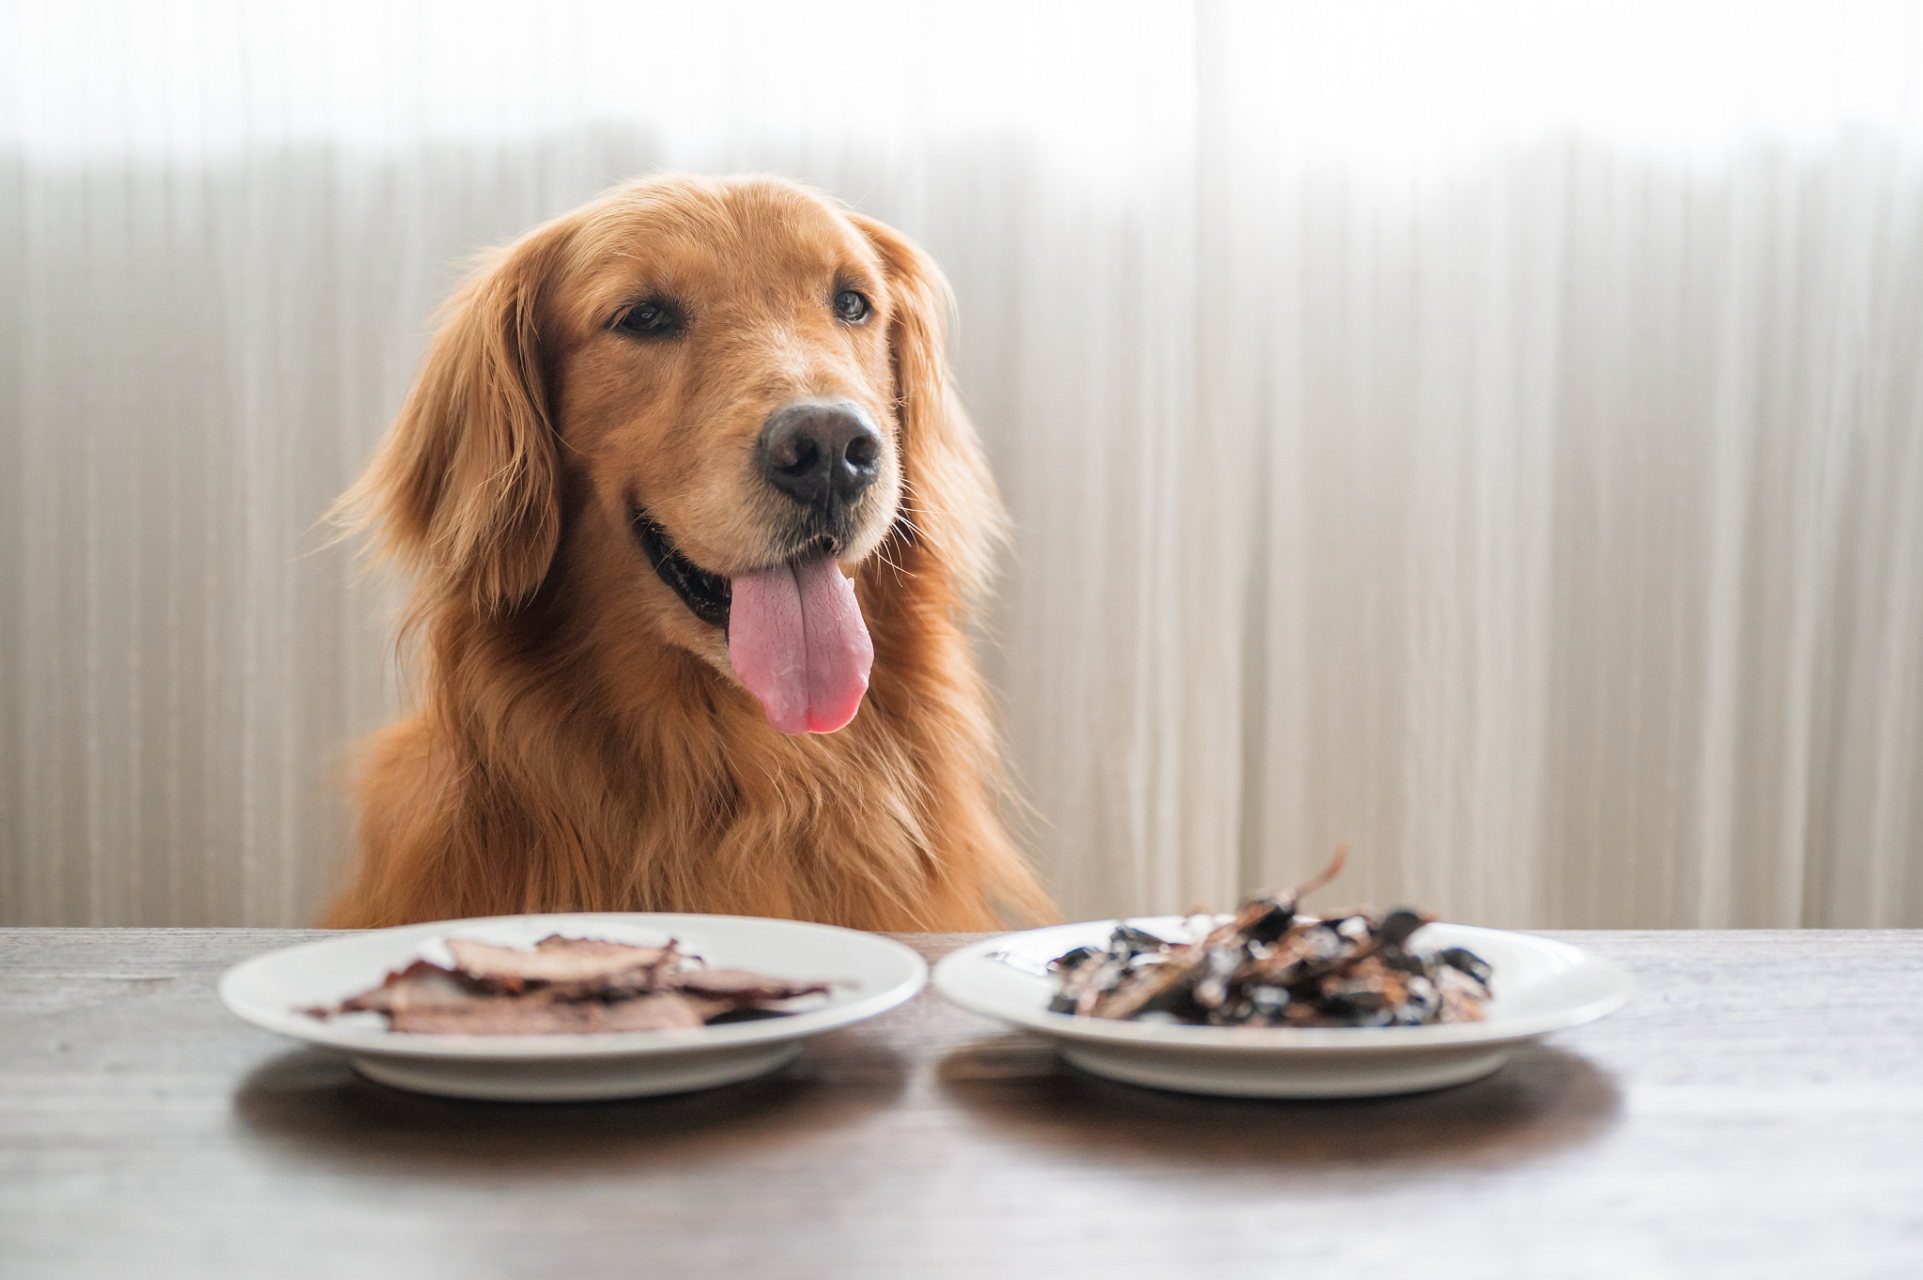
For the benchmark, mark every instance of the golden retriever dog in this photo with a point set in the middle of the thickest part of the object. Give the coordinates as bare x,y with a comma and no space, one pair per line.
695,522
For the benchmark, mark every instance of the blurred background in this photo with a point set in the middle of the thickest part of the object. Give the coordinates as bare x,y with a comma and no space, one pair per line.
1491,435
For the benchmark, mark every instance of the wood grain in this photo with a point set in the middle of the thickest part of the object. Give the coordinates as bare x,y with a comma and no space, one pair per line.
1756,1111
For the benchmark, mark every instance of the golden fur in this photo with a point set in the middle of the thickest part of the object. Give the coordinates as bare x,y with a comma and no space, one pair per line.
581,742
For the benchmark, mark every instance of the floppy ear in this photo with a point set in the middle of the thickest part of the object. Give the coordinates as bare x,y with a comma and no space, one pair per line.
948,493
465,489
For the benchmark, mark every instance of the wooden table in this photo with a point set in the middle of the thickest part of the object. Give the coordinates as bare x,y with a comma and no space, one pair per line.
1756,1111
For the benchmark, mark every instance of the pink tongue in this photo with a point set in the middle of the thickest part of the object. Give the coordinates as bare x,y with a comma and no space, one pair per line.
796,639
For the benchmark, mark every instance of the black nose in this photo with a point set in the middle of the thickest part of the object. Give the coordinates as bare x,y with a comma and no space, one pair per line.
820,452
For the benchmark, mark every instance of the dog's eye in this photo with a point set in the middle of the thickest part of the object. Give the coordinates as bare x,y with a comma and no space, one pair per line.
649,320
851,306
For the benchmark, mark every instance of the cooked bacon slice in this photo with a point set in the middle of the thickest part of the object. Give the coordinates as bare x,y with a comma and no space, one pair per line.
533,1015
582,966
565,986
738,987
422,987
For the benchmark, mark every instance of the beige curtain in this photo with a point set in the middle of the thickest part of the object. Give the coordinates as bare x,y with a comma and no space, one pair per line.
1488,435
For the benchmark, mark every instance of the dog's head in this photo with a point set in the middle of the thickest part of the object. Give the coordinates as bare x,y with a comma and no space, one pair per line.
711,400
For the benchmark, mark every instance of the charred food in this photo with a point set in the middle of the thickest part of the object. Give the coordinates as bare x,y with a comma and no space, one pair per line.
1270,966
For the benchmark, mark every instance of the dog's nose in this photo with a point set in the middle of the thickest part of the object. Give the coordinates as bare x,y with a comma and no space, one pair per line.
820,452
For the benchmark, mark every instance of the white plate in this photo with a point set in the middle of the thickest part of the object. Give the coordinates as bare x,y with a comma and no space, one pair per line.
878,974
1539,985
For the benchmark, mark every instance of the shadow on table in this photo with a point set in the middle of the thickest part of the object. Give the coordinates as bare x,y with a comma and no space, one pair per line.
313,1102
1542,1100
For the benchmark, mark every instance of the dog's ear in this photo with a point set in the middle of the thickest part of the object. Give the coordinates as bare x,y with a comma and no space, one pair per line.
948,493
465,489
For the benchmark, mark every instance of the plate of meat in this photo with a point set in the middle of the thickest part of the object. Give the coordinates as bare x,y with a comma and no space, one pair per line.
1270,1001
573,1006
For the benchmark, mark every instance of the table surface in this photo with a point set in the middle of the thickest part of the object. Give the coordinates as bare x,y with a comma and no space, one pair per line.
1756,1111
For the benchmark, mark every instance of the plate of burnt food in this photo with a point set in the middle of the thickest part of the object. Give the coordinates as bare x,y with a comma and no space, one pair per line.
571,1007
1276,1001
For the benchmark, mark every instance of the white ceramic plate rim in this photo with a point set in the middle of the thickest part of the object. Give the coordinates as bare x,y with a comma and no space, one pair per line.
1057,939
406,939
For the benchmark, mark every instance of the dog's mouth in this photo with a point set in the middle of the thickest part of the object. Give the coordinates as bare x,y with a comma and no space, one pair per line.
707,595
795,633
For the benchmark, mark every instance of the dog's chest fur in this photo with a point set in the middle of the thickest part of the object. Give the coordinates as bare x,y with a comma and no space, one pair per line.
651,784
